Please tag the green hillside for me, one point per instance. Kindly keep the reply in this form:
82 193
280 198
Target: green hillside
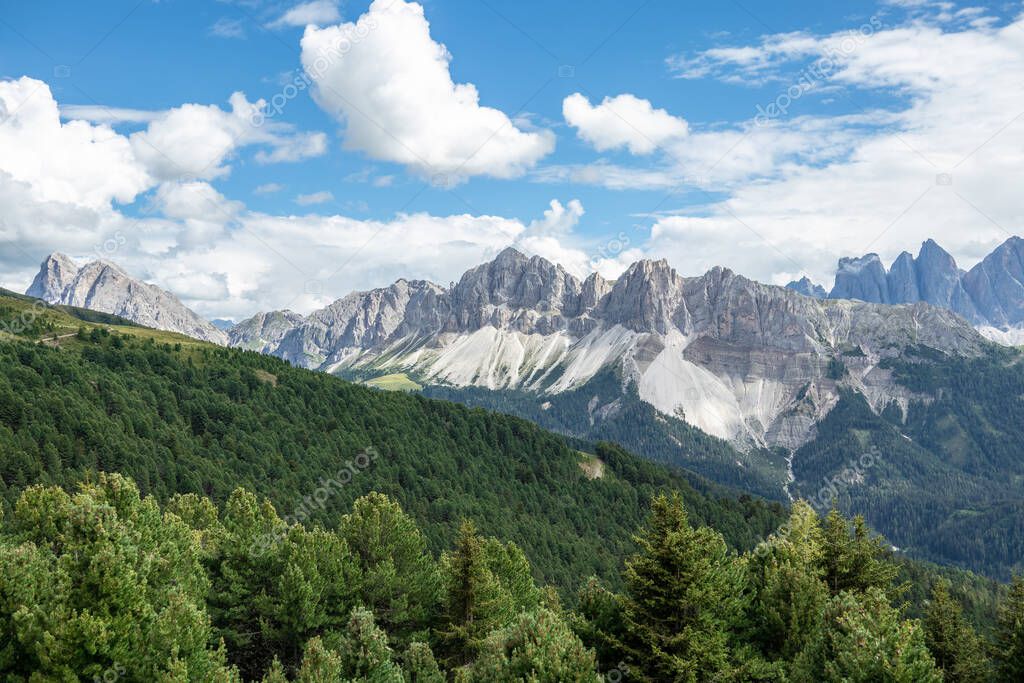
179 416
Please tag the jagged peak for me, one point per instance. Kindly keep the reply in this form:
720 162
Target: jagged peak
931 249
511 254
857 262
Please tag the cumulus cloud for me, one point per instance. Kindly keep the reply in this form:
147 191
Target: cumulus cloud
622 121
197 140
388 82
74 162
316 12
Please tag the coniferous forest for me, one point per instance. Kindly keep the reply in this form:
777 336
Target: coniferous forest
177 512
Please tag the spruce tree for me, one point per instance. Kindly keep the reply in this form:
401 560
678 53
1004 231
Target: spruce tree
684 596
951 640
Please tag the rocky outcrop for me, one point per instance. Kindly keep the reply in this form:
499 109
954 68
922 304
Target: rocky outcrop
808 288
996 286
263 332
103 286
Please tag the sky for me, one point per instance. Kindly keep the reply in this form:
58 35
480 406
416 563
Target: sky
250 155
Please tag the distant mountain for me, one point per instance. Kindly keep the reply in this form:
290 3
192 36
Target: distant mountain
990 295
104 286
807 288
743 361
223 324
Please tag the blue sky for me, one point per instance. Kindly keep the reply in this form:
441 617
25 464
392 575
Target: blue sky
353 181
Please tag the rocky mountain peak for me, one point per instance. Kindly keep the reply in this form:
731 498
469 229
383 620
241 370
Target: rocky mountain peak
645 297
55 273
104 286
862 278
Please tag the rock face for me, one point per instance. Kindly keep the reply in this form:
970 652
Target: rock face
807 288
990 295
745 361
103 286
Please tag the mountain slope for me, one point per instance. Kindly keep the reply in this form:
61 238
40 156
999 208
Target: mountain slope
191 417
104 286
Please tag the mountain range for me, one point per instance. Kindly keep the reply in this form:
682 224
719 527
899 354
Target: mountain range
752 385
746 362
743 361
990 295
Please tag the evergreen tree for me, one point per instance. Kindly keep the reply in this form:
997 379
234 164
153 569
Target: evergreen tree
539 647
855 563
487 583
789 593
1008 648
364 651
953 643
320 664
102 584
401 583
866 641
684 595
419 665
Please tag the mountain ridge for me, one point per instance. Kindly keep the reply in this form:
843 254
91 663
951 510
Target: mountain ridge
728 353
990 295
104 286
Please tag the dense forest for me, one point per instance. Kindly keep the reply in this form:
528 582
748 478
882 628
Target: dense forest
103 584
270 523
206 420
942 480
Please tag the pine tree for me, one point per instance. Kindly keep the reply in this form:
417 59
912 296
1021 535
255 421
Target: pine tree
401 582
865 641
1008 648
951 640
419 665
320 664
100 583
539 647
684 595
364 652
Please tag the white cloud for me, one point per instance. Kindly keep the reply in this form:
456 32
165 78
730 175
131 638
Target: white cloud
74 162
622 121
228 28
387 80
314 198
268 188
802 191
317 12
197 140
